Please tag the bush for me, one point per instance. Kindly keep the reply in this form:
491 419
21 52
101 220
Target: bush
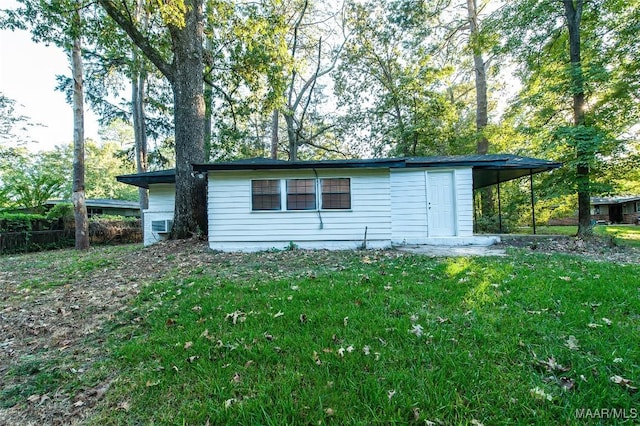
61 211
17 222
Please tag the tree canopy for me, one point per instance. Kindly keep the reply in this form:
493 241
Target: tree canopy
300 79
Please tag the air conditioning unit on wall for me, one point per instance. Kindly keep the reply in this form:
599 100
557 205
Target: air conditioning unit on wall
161 226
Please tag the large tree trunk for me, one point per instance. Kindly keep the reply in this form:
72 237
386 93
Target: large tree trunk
573 15
138 88
274 134
78 198
185 74
482 105
188 96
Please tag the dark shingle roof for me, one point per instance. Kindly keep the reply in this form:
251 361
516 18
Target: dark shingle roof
487 169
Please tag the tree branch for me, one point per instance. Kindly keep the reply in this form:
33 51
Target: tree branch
127 24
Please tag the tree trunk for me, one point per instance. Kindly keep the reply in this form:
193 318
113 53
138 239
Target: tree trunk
185 74
138 83
482 105
274 134
189 109
138 89
573 15
291 136
208 116
78 198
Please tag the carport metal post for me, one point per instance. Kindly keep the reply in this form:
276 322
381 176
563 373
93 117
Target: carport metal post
533 203
499 206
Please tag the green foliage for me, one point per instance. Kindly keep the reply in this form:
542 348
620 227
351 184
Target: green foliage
61 211
16 222
541 122
393 90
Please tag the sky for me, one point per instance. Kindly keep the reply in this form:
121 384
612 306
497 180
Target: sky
28 75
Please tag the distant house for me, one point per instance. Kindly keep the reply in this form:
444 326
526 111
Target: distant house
625 209
260 204
96 207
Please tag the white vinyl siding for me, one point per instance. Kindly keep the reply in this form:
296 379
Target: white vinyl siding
161 206
464 201
234 226
409 204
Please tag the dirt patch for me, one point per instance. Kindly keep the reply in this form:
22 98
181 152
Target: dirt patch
54 308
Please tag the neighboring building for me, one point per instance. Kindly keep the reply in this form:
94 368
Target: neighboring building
96 207
624 209
260 204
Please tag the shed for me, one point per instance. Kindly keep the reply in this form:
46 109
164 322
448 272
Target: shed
259 204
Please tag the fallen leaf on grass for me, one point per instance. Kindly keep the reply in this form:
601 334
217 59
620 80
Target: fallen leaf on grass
278 314
626 383
551 365
390 394
572 343
475 422
540 394
188 345
607 321
237 316
566 383
417 330
236 378
366 350
329 412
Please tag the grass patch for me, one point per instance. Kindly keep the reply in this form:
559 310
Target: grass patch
625 234
378 337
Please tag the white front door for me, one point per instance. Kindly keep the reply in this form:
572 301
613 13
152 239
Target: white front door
440 204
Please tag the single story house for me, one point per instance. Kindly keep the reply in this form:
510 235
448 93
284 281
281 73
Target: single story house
260 204
625 209
104 206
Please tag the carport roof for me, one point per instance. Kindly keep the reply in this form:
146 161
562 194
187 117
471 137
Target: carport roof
487 169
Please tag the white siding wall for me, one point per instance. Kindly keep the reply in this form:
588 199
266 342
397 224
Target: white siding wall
408 206
161 206
234 226
464 201
409 201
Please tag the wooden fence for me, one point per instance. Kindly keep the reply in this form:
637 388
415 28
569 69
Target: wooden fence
100 233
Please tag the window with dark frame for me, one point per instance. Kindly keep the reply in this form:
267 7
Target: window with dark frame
336 193
265 195
301 194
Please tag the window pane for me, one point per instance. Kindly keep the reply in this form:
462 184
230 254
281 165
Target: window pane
336 193
265 194
301 194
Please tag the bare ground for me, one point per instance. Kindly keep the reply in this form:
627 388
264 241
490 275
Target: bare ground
60 329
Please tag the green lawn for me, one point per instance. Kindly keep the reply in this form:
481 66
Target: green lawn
361 337
379 338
